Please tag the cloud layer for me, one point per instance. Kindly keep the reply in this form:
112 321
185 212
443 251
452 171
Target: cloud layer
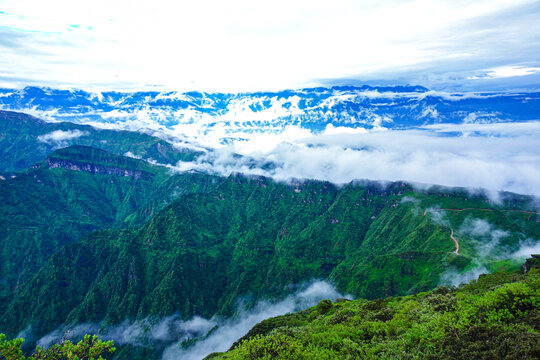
231 330
478 140
61 137
496 157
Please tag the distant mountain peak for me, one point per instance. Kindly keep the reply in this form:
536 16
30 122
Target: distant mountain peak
19 118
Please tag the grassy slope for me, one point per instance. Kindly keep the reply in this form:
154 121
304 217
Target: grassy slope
495 317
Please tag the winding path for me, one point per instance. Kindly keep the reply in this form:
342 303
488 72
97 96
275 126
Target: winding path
455 242
481 209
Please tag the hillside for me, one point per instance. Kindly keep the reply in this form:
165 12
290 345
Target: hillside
252 238
75 191
495 317
26 140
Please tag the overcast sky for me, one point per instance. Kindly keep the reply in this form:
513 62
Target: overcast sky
269 45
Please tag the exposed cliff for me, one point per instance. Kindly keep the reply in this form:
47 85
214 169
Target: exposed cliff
74 165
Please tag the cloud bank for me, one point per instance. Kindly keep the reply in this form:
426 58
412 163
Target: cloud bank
169 334
60 137
142 333
231 330
282 140
502 156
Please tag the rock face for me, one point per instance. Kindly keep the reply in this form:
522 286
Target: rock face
52 163
96 161
532 263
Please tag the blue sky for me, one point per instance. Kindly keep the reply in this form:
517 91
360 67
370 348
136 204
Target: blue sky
271 45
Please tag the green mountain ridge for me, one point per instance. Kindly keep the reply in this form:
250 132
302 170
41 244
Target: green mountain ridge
26 140
73 192
250 237
97 161
494 317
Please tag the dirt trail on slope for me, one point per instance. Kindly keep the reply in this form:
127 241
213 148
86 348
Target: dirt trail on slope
481 209
455 242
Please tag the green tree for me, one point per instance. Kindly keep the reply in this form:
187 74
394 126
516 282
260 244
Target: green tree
90 348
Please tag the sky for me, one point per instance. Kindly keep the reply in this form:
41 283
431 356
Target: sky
237 46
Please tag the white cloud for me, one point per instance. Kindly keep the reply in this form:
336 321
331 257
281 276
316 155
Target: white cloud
132 155
455 278
215 334
510 161
489 235
491 129
526 249
60 137
138 333
231 330
333 130
507 71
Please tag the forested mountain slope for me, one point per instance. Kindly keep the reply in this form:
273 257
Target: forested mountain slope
91 236
254 238
25 140
73 192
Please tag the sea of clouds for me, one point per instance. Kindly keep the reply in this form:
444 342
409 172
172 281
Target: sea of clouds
501 156
340 136
496 156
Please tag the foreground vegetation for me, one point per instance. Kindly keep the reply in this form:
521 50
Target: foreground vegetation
495 317
89 348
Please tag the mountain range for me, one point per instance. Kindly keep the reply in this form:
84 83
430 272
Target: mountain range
194 115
